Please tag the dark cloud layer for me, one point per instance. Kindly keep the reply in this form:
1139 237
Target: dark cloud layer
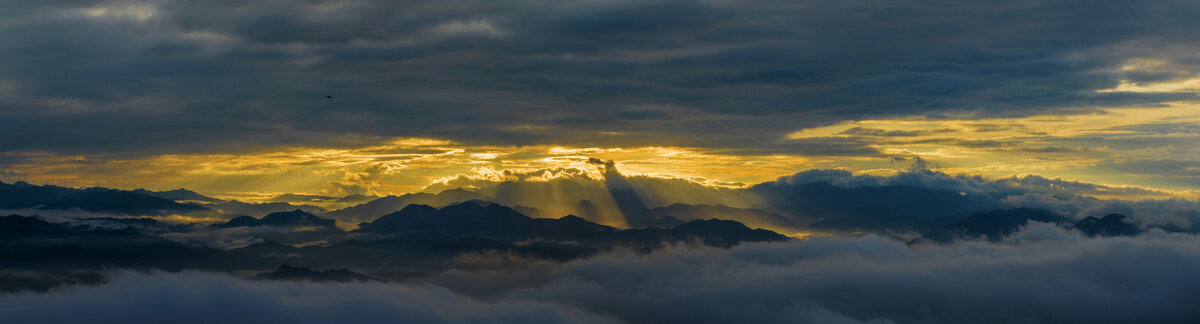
206 298
81 76
1046 275
1040 274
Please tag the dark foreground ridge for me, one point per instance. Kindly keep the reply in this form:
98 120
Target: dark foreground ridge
417 241
471 219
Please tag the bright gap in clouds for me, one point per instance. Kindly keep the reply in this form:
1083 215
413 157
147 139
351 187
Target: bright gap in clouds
1144 147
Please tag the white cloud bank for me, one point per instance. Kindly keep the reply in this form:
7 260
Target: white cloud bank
1041 274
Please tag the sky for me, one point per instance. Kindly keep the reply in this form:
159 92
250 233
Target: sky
229 98
600 161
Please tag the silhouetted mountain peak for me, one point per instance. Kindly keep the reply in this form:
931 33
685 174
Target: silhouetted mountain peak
287 272
24 225
495 220
390 204
176 194
887 208
414 210
994 225
399 219
464 207
288 218
261 209
679 213
469 218
241 221
714 232
712 224
24 195
457 192
502 209
573 219
1109 225
117 201
728 229
295 217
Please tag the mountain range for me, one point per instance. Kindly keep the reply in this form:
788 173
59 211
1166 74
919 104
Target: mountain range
22 195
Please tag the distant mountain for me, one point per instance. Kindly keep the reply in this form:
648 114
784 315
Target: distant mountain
992 225
295 218
122 202
997 224
867 209
714 232
677 214
356 199
21 195
177 195
1109 225
389 204
146 221
260 209
287 272
144 225
29 242
469 219
17 225
418 240
422 254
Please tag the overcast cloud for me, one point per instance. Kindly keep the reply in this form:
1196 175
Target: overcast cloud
1041 274
76 76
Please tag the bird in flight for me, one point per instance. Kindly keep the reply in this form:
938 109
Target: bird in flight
328 97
